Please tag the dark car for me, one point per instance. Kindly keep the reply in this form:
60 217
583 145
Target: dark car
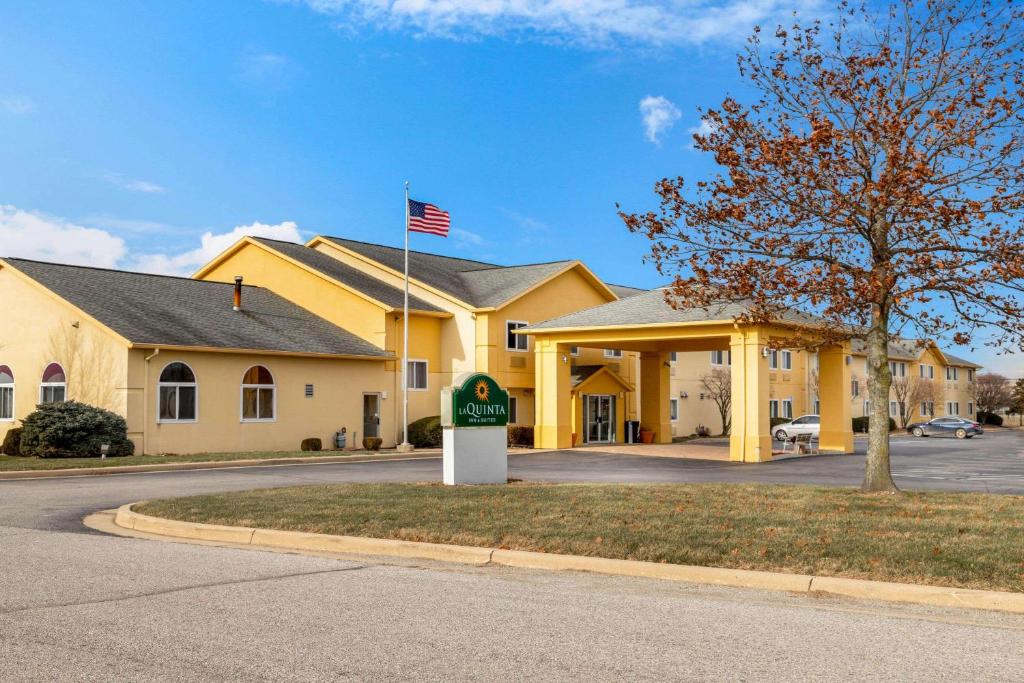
946 426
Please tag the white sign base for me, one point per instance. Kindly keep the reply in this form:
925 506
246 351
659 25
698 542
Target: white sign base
475 455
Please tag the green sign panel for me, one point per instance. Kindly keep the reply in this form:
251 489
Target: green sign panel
479 402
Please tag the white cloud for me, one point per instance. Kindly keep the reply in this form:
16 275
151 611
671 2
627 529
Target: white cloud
659 115
593 23
125 183
465 238
211 245
33 235
704 128
18 105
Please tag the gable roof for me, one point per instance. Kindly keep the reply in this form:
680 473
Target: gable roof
582 374
377 290
651 308
161 310
479 284
910 349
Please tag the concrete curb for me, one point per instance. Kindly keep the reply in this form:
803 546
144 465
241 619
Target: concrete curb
213 465
938 596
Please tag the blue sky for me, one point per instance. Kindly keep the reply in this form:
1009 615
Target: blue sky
150 135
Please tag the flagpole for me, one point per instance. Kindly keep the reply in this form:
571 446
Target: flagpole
405 333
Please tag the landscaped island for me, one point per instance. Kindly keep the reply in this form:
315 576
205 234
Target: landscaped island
951 539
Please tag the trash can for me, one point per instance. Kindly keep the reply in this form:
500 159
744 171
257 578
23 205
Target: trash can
632 431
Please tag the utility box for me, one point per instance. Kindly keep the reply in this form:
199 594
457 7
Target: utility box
474 422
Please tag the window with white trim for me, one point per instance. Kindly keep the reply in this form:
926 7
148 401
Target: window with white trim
176 394
787 359
513 410
970 375
867 408
672 356
926 371
952 408
952 374
417 375
54 387
854 388
897 369
720 358
970 410
773 360
787 408
513 341
673 409
927 409
574 350
773 408
613 353
259 395
894 408
6 393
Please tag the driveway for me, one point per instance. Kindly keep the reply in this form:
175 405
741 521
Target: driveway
79 605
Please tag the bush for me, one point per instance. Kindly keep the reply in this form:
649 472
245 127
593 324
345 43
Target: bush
860 424
426 432
12 442
520 435
311 445
74 430
372 443
990 419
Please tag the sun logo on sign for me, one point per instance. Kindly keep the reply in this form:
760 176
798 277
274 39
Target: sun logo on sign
482 391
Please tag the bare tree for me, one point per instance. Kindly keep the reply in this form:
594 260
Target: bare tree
1017 404
877 181
911 392
718 387
90 369
992 392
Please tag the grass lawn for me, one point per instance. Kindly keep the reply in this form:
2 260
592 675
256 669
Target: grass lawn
951 539
10 463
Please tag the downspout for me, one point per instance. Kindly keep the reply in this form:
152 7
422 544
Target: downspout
145 403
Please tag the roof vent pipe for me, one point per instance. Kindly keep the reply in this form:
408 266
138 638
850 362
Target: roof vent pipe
238 293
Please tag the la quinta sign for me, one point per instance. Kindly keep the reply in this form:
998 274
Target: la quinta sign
474 421
479 402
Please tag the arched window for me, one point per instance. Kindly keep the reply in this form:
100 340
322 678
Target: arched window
54 387
6 393
259 395
176 394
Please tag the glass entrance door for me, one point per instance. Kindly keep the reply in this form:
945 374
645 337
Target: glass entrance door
371 415
599 411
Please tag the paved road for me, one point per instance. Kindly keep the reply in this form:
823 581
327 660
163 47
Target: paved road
78 605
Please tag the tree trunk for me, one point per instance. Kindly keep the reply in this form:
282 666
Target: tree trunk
877 474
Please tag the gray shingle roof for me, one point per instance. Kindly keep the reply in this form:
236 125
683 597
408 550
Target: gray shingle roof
909 349
479 284
955 360
651 308
174 311
354 278
624 291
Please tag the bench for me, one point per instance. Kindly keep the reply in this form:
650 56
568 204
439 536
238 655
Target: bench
804 444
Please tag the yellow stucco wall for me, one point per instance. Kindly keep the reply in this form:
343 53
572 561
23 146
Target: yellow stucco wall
337 401
39 329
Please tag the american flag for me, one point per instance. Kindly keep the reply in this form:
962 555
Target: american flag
428 218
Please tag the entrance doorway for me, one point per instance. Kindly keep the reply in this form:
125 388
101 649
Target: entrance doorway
599 416
371 415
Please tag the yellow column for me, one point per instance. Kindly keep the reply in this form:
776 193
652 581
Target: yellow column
654 395
553 427
834 394
750 436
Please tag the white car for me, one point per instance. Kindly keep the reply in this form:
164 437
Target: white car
805 424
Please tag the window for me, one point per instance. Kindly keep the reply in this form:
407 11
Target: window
259 395
787 360
787 408
418 375
176 394
927 371
6 393
894 408
854 388
672 356
953 408
720 357
927 409
54 387
513 410
773 359
970 409
673 409
867 408
773 408
970 375
513 341
952 374
613 353
897 369
817 407
574 350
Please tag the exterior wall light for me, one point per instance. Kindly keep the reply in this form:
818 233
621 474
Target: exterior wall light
565 359
683 394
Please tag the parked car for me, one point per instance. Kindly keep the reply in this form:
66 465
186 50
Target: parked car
959 427
805 424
